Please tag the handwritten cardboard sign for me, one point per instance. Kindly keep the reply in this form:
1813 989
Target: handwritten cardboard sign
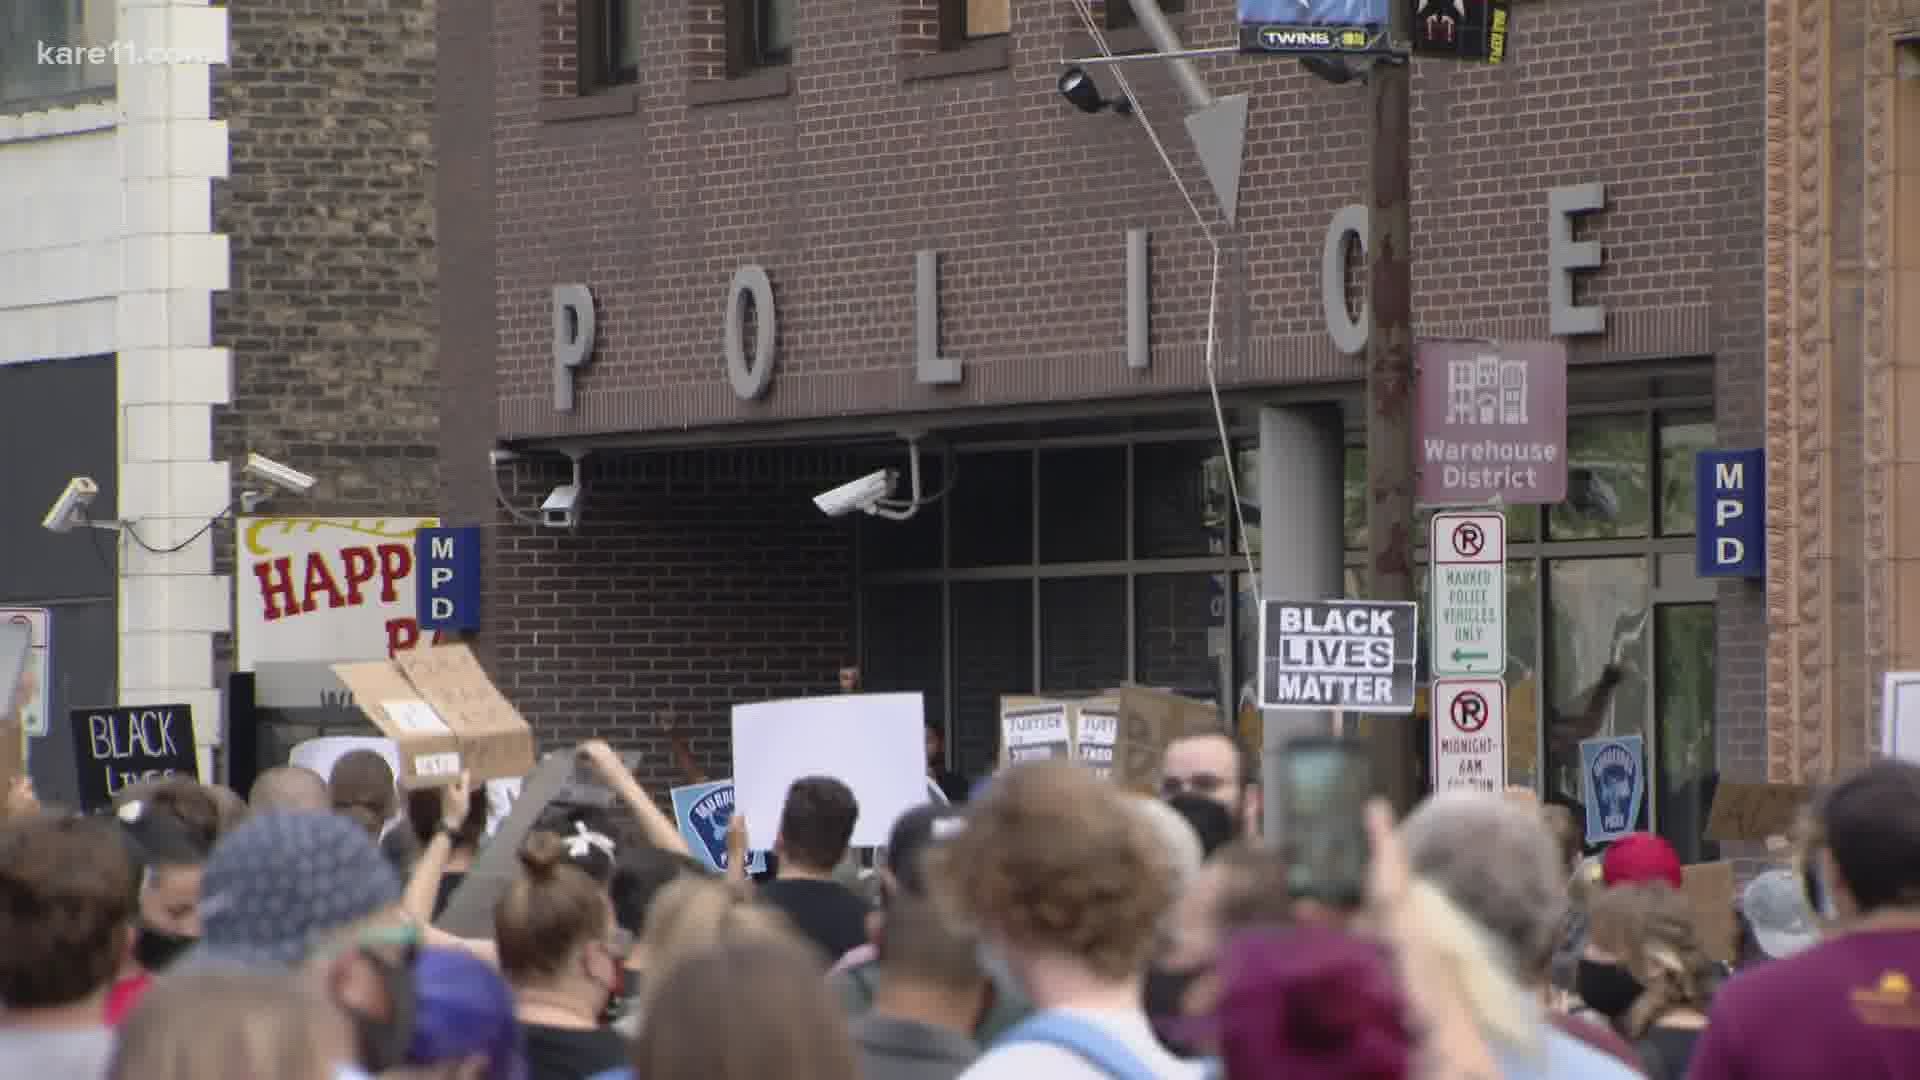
1709 889
1754 812
429 750
1121 733
494 739
117 748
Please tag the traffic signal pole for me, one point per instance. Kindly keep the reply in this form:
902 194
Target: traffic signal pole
1393 740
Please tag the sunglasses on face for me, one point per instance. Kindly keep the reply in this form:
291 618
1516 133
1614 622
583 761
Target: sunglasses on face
1198 783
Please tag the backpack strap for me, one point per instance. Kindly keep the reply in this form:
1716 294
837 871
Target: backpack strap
1080 1037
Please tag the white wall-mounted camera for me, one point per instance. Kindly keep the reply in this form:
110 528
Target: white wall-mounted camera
862 494
70 509
561 510
281 476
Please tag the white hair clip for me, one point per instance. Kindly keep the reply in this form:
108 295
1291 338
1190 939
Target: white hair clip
585 840
946 827
131 813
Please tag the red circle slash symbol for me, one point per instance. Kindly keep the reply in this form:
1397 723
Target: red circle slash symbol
1469 711
1469 539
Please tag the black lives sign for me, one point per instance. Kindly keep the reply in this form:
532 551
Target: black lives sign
117 748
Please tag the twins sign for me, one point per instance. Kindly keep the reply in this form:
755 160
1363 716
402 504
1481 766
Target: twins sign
703 811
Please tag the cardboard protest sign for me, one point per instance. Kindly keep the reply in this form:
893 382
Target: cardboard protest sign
703 812
1754 812
1121 733
429 750
494 739
1034 730
1709 889
117 748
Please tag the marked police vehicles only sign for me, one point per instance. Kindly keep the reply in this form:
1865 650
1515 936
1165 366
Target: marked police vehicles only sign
1337 654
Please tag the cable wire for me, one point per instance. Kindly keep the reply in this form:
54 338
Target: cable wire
1213 288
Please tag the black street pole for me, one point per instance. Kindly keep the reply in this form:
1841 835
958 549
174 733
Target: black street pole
1390 374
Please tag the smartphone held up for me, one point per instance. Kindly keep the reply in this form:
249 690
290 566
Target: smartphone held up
1326 783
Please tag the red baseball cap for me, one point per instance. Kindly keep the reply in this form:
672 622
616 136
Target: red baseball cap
1640 859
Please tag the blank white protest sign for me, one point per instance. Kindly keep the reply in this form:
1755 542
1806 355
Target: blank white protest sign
875 744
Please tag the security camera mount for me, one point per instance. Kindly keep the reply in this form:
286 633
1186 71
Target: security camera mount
902 509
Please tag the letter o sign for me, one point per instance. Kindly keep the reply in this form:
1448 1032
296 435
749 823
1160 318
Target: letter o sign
750 379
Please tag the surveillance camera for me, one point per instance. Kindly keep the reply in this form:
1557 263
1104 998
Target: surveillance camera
280 476
70 508
861 494
562 508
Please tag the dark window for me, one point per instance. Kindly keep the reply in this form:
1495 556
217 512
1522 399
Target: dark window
609 44
902 640
71 31
1180 633
1182 508
991 510
962 21
771 44
992 634
1083 504
1120 12
1083 634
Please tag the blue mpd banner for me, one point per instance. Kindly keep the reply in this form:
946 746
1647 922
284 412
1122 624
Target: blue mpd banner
447 571
702 811
1730 513
1613 783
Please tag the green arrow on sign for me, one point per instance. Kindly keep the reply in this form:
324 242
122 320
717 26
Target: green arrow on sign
1459 655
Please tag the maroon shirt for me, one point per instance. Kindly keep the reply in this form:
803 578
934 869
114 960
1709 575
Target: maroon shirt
1847 1008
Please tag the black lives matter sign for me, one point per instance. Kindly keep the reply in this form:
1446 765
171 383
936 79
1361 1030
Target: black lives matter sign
1332 654
117 748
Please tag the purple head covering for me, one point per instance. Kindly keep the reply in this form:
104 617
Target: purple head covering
1308 1003
463 1009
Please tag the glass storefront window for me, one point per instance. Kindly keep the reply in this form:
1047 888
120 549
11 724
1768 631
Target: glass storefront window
1609 462
1683 646
913 544
1682 435
1182 508
1083 634
992 510
1596 618
992 635
1083 504
1180 633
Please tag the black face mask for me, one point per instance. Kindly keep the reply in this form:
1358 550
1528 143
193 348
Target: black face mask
1607 989
156 950
383 1043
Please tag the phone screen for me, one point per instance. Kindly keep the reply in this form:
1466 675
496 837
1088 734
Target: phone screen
16 646
1327 785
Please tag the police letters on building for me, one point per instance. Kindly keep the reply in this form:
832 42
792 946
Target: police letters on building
1337 654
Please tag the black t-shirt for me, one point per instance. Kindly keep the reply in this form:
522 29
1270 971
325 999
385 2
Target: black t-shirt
567 1054
827 912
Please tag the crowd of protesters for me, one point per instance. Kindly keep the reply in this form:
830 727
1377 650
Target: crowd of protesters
1054 926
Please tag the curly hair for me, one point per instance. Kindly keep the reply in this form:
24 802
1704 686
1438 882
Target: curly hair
1650 928
1052 857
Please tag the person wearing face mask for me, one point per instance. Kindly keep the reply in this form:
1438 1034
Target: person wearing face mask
170 830
564 954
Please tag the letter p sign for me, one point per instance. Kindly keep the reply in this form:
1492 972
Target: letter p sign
572 339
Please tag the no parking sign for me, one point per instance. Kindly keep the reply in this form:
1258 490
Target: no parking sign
1469 735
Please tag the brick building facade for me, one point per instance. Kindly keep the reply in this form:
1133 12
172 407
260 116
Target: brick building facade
654 175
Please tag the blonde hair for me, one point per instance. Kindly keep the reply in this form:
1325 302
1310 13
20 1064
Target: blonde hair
694 914
232 1026
1475 966
1650 929
550 910
798 1031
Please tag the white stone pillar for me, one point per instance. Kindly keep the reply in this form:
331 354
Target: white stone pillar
170 374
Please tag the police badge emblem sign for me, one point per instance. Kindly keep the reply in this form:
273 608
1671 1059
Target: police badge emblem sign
1613 782
703 811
